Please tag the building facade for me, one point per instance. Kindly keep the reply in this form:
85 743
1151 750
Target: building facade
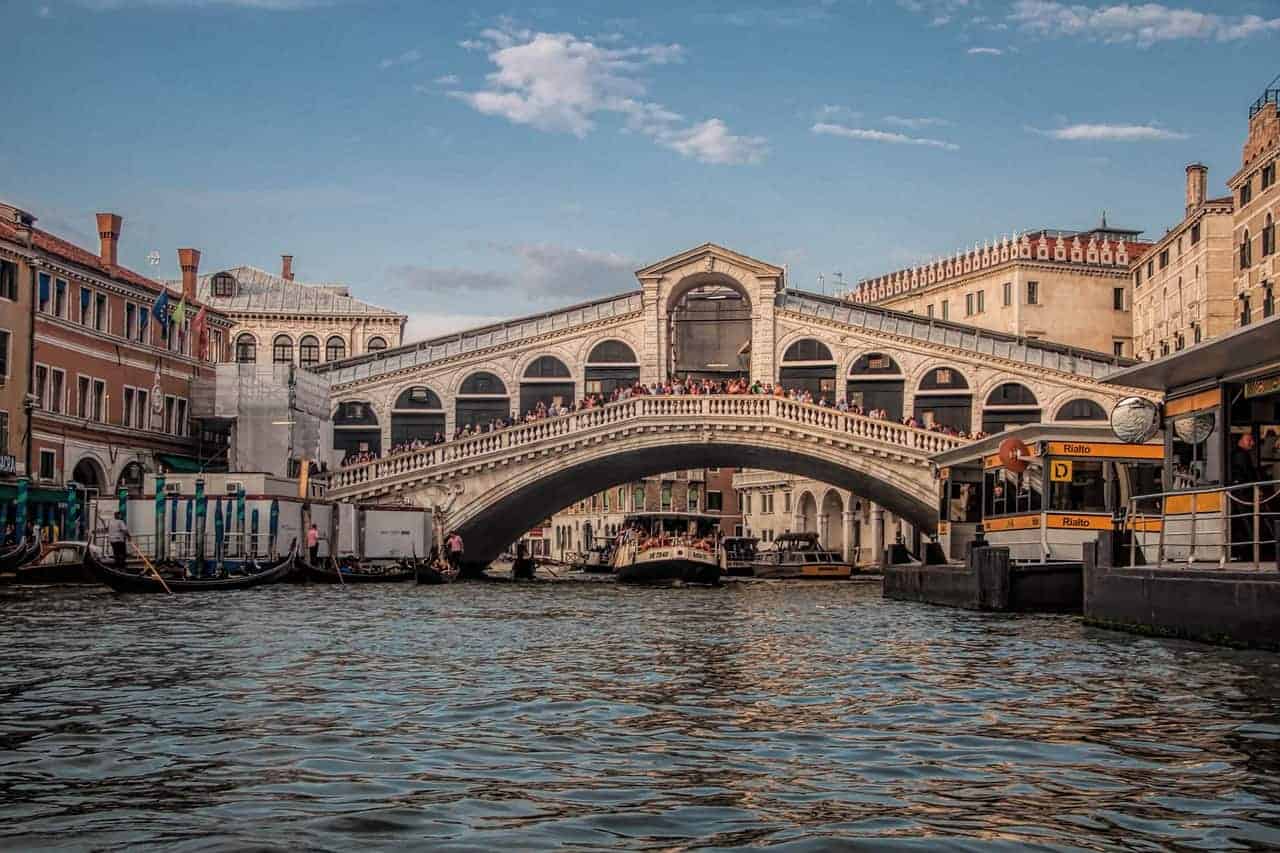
597 519
1067 286
108 387
1182 285
1257 207
284 321
773 504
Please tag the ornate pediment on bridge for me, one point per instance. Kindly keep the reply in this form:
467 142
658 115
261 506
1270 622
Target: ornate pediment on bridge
709 258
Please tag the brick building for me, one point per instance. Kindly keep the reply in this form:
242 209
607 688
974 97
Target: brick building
104 398
1257 200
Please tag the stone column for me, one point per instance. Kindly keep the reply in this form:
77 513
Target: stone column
877 534
764 331
652 357
823 533
849 519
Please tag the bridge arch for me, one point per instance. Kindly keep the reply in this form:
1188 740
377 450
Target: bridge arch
417 414
356 428
709 321
944 395
498 510
609 362
1077 407
481 397
875 380
545 378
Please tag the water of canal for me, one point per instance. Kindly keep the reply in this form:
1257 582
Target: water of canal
593 716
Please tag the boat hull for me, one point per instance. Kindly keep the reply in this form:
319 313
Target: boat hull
129 582
812 571
321 574
668 565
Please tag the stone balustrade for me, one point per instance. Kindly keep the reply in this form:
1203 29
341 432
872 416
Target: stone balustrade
720 411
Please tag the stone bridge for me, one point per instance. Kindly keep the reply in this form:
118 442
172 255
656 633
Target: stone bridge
494 487
964 376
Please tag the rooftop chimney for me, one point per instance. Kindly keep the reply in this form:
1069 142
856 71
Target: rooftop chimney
189 260
286 267
109 235
1197 179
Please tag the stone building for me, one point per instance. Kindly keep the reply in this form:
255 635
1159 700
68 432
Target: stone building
1066 286
773 504
595 519
109 387
1257 206
280 320
1182 285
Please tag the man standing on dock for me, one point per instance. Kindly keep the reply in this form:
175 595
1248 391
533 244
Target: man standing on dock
117 535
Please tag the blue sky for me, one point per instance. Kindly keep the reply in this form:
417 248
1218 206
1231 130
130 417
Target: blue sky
464 161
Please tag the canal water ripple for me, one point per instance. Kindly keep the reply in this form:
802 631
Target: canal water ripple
586 716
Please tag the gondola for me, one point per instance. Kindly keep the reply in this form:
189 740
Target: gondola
429 575
63 563
355 572
146 582
18 555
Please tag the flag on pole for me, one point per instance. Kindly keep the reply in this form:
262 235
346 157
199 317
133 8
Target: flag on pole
180 313
160 310
200 332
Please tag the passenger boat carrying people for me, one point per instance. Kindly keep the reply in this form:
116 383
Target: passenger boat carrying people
1041 490
799 556
663 547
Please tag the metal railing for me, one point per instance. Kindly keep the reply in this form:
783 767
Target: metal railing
660 409
1216 524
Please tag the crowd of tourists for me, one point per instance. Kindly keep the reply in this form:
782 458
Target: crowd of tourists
674 388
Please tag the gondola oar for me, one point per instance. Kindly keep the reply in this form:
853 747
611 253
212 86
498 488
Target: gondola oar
338 569
152 568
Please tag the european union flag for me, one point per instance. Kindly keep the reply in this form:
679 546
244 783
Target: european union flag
161 310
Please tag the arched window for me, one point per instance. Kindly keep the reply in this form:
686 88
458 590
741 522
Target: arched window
377 344
1010 405
611 365
282 349
418 397
223 285
309 351
355 428
246 349
1268 300
944 398
875 364
1269 236
418 415
1245 312
335 348
1246 251
875 384
547 381
1081 410
807 349
611 352
546 367
482 383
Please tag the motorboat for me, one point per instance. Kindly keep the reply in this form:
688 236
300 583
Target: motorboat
667 547
738 555
799 556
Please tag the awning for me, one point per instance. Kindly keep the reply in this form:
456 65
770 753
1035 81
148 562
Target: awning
180 464
1244 350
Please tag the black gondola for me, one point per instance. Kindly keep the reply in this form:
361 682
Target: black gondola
147 582
18 555
355 572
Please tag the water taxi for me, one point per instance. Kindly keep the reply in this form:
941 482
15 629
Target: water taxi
1041 490
799 556
738 556
662 547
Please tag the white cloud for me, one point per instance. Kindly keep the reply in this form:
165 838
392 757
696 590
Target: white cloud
561 83
544 272
447 80
1111 133
916 123
985 51
880 136
409 57
1142 24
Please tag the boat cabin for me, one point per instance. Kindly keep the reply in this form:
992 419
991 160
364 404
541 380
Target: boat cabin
1073 480
737 554
1220 426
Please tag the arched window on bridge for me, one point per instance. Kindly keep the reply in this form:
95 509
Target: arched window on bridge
611 365
944 397
335 348
1081 410
808 364
546 380
1010 405
376 344
417 414
481 398
710 331
355 428
876 382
